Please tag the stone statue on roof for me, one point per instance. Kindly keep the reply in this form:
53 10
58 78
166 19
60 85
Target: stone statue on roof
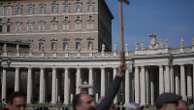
153 41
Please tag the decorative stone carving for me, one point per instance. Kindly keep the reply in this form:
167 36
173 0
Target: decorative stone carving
126 49
182 45
166 43
153 41
142 45
161 44
114 48
103 49
137 46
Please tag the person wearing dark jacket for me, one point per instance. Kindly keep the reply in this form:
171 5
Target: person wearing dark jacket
84 101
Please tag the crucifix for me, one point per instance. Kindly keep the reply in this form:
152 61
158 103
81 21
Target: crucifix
121 28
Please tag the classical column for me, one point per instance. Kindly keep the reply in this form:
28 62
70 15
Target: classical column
102 82
147 85
66 87
189 83
167 79
172 79
78 80
152 91
16 86
3 93
4 49
183 88
29 86
177 82
137 85
114 74
54 88
161 79
127 87
17 50
42 87
57 90
193 80
142 80
90 81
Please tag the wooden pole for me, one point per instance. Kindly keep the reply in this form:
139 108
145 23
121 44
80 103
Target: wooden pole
121 28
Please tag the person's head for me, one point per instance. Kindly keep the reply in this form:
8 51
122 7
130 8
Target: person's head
83 102
167 101
182 105
114 107
17 101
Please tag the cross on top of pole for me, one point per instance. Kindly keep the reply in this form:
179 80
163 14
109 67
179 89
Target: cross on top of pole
125 1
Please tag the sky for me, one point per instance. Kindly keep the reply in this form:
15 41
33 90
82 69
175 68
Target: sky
170 19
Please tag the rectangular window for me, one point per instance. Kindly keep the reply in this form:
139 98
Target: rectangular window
31 9
8 28
30 27
8 11
19 9
42 9
55 8
90 8
1 28
54 27
66 8
66 27
65 45
77 45
41 27
18 27
1 11
78 26
78 7
90 26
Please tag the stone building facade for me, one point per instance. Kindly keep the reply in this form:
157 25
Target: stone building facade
60 26
47 63
56 78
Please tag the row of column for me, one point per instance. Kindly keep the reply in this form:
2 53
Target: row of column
177 81
41 87
55 85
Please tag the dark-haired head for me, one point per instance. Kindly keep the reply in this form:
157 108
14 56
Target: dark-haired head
17 101
83 102
14 95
